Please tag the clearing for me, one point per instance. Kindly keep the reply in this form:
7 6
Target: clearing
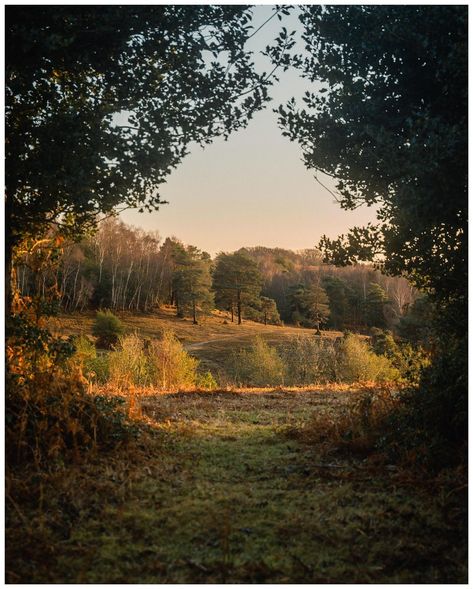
218 489
211 341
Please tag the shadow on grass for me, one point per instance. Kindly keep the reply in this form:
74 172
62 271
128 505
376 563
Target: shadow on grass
216 494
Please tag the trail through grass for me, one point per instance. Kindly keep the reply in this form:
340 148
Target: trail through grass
219 492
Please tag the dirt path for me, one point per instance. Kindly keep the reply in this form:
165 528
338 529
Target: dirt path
223 494
200 345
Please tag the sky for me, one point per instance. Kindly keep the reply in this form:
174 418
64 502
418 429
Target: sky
252 189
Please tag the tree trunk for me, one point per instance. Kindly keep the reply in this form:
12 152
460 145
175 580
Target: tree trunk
239 306
8 283
194 318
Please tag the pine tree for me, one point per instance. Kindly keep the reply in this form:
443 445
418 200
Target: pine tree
236 282
191 282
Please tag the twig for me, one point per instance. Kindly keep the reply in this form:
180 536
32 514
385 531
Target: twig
20 514
197 565
328 189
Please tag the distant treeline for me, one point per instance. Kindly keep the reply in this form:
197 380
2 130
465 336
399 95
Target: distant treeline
123 268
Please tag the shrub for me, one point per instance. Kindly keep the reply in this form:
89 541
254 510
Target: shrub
406 358
309 360
95 367
431 425
258 366
383 343
107 329
171 367
84 349
127 364
357 362
98 368
355 430
161 363
49 414
206 381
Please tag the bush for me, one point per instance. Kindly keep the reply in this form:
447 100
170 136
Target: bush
258 366
309 360
383 343
95 367
206 381
431 425
84 349
98 369
171 367
107 329
357 362
162 363
409 360
127 364
355 430
49 414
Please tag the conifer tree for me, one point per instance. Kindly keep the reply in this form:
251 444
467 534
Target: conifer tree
191 282
236 281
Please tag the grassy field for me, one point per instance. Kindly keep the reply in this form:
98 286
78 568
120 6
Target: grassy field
220 488
211 341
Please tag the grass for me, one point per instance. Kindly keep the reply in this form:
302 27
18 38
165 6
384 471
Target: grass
210 341
210 327
217 490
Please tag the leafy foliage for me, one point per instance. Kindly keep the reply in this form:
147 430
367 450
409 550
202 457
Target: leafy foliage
162 364
95 367
417 326
72 83
49 414
258 366
107 329
310 361
308 305
390 125
171 366
191 282
357 362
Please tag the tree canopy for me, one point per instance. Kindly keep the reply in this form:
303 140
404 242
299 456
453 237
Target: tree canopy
236 281
388 121
192 281
102 102
390 124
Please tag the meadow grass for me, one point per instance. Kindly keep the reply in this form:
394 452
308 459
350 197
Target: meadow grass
218 489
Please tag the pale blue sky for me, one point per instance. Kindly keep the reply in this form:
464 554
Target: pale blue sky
252 189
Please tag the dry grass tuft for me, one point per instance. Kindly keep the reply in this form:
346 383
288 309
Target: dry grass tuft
357 427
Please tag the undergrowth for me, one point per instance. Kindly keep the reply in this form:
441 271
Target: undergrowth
50 415
161 363
310 360
357 429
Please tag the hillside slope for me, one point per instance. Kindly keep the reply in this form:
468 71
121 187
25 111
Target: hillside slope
211 341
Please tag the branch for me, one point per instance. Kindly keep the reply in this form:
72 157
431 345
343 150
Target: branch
265 79
252 35
265 23
327 189
128 127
